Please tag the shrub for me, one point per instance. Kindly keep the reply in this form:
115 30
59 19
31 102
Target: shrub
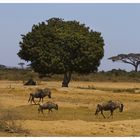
9 124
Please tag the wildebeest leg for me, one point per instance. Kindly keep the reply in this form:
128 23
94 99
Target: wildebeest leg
39 99
102 114
42 99
42 112
33 100
29 99
50 110
111 113
38 111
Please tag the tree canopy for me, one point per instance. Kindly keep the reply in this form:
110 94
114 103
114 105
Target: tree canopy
131 58
62 47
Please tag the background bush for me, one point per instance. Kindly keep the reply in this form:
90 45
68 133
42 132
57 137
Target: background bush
113 75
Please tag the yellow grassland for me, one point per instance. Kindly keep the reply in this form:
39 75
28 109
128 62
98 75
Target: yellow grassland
77 105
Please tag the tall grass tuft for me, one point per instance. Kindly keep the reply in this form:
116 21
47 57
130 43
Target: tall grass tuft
9 124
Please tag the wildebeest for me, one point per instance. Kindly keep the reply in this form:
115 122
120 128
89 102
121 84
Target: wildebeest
109 106
41 93
47 105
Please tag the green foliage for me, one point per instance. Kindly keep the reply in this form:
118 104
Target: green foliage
17 74
57 46
110 76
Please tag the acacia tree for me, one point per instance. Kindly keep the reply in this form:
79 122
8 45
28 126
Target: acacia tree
131 58
21 64
62 47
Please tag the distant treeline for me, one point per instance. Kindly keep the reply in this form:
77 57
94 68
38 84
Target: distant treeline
114 75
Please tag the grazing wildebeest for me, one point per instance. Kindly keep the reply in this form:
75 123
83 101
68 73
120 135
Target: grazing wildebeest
41 93
109 106
47 105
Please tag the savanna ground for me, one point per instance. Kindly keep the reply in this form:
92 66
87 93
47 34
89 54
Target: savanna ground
77 105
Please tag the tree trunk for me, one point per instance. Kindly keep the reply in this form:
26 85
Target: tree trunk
136 68
66 79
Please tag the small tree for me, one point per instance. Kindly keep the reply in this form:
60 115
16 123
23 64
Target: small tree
21 64
131 58
62 47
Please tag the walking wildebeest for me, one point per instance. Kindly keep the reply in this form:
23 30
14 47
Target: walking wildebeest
47 105
109 106
41 93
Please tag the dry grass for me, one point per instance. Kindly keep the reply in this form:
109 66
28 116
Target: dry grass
77 105
9 124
